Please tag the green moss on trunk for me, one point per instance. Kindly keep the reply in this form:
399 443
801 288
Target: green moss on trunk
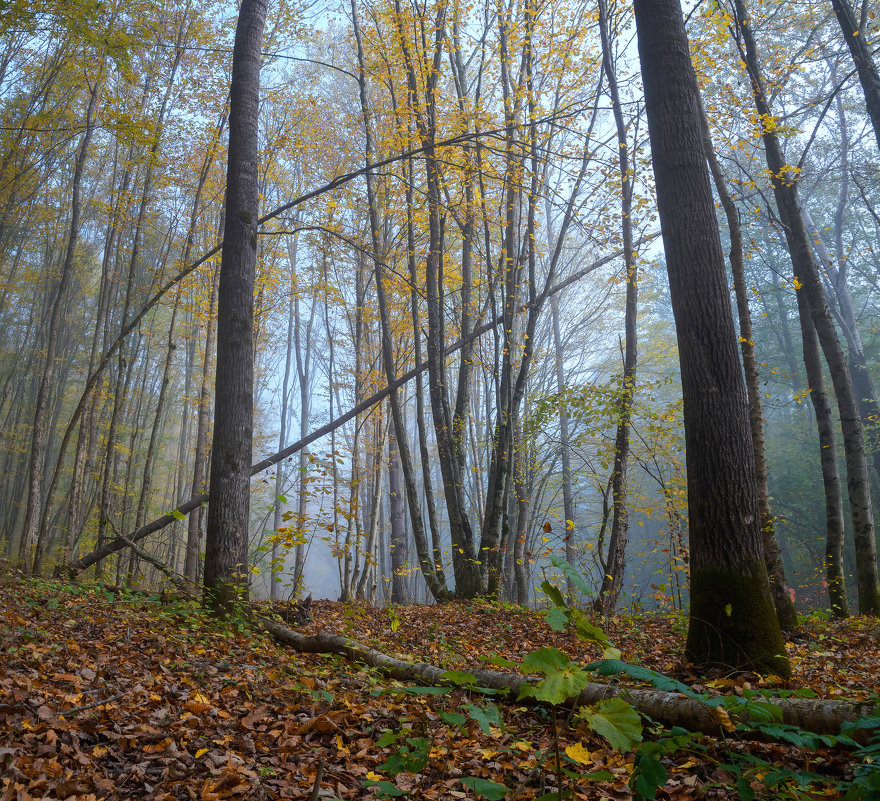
733 623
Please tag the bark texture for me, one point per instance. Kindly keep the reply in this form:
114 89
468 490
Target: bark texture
732 619
779 588
229 506
673 709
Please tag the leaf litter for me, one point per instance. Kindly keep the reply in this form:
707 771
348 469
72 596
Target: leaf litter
135 697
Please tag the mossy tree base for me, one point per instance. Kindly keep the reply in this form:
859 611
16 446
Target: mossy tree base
733 623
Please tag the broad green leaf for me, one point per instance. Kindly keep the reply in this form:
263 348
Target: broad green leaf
554 594
396 763
453 718
556 618
649 775
587 632
388 737
616 721
613 667
545 660
485 788
557 686
571 574
746 793
459 677
178 515
486 717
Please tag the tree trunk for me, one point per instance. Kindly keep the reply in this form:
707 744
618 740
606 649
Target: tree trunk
29 547
564 447
200 460
732 620
779 589
806 271
226 580
860 48
398 540
612 578
430 568
673 709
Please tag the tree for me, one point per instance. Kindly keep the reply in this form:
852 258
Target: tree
229 495
809 287
732 620
854 32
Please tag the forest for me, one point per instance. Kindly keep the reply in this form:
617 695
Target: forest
502 350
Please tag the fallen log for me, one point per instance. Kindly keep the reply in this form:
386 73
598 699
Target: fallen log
819 716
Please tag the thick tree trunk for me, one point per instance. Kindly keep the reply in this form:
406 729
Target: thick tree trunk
226 580
810 284
779 589
732 620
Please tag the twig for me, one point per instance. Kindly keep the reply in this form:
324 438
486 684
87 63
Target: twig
316 787
77 709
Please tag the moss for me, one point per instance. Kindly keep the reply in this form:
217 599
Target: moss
733 624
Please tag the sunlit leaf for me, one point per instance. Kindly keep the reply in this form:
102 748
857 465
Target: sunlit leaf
616 721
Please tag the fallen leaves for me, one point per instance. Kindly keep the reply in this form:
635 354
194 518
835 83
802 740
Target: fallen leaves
102 700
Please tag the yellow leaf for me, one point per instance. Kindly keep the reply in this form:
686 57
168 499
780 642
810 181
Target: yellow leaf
579 754
720 716
341 746
373 777
201 752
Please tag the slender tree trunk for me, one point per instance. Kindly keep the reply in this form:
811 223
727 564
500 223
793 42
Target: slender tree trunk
863 386
430 567
564 446
302 351
229 504
280 472
854 34
615 564
732 620
806 271
399 540
464 559
29 547
200 460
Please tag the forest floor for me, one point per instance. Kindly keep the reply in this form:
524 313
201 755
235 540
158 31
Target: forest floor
105 696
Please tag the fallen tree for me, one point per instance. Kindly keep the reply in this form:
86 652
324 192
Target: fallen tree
820 716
